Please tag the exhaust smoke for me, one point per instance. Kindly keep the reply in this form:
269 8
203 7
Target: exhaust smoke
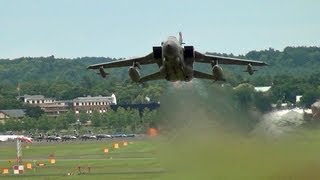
204 136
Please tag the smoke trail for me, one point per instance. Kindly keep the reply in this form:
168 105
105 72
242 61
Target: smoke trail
280 122
203 136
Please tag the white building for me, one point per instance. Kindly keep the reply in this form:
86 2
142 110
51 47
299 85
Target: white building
262 89
89 104
36 99
49 105
298 98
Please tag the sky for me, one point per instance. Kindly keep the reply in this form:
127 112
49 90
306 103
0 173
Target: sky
128 28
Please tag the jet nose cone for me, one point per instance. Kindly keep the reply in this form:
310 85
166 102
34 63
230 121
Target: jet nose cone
170 49
168 46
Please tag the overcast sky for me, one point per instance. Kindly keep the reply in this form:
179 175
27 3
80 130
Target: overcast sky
126 28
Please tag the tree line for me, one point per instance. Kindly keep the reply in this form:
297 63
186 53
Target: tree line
291 72
120 121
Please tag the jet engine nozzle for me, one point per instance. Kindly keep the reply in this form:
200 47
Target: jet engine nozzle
102 73
217 72
134 74
250 69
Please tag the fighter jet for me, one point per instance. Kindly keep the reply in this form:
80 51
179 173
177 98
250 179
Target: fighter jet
176 63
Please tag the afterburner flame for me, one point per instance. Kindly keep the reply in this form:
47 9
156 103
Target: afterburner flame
152 132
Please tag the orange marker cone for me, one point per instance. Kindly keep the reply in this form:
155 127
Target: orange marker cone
52 161
5 171
29 166
115 145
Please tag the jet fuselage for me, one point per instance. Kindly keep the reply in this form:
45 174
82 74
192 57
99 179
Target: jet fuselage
175 62
174 67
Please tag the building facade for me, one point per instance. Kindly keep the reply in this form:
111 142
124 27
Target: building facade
90 104
87 104
49 105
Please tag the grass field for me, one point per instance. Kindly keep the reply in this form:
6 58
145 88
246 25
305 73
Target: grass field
210 155
135 161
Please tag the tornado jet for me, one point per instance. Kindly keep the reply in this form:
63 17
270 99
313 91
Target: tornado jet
176 63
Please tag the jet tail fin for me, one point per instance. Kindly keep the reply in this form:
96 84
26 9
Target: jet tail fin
180 38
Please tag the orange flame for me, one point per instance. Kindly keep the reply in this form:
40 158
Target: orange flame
152 132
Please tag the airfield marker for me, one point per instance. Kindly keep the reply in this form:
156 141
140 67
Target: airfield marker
116 146
41 164
5 171
19 151
152 132
106 150
28 165
52 161
125 143
18 169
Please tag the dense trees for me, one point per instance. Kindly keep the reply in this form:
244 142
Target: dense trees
68 78
33 111
310 97
122 120
293 71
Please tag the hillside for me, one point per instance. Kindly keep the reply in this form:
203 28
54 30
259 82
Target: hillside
68 78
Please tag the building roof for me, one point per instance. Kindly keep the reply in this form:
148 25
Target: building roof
39 98
34 97
14 113
140 107
262 89
93 99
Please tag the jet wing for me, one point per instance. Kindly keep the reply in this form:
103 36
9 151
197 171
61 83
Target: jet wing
152 77
201 75
148 59
204 58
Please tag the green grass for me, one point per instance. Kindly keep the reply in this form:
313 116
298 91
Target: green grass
209 155
135 161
